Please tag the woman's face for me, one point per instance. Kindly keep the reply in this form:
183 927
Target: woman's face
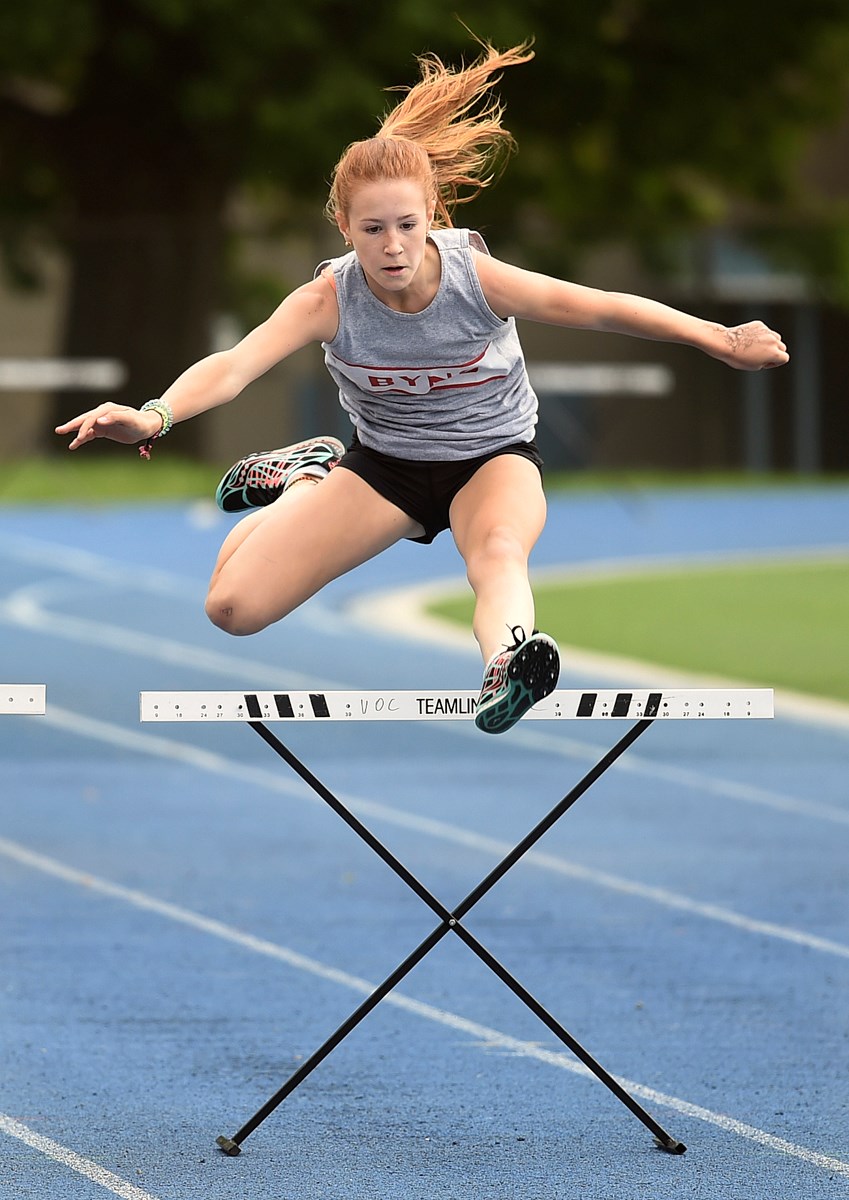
388 223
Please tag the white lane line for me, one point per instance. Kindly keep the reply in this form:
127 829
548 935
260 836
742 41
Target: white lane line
485 1036
686 778
95 568
24 608
233 769
69 1158
614 883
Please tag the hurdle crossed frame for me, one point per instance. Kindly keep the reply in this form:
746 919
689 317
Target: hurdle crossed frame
258 709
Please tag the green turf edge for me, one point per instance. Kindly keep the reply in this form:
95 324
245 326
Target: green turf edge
779 625
81 478
78 480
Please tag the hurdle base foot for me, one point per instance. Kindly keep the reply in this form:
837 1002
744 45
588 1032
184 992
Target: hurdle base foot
670 1145
229 1146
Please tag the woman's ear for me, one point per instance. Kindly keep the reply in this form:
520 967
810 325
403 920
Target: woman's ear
343 227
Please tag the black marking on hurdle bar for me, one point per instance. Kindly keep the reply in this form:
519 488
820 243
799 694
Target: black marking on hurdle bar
621 704
252 705
450 922
586 704
319 705
284 706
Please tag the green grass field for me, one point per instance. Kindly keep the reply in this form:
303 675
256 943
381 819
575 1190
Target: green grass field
783 625
82 478
89 476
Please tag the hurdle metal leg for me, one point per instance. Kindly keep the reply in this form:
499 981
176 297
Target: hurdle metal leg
450 921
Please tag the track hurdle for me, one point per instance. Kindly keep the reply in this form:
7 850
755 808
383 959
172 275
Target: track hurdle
639 708
23 699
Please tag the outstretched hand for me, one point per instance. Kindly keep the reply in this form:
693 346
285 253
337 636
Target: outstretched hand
117 422
751 347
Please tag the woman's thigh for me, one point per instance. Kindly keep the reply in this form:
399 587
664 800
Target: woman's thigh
310 536
504 499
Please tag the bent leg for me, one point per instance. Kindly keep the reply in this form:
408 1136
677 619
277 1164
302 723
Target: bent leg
279 556
496 519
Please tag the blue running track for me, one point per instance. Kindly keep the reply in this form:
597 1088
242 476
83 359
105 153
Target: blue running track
183 922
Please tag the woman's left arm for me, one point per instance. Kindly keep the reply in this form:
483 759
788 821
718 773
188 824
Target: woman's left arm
513 292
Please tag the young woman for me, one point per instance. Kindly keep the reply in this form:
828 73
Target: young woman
417 323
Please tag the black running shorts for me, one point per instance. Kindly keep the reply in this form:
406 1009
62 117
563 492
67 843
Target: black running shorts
424 490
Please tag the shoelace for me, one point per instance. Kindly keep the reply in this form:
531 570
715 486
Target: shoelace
518 635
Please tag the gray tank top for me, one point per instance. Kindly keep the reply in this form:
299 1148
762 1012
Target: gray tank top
445 383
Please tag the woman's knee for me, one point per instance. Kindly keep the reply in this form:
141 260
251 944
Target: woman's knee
500 548
231 613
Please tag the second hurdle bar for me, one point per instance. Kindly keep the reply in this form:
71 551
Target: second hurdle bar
23 699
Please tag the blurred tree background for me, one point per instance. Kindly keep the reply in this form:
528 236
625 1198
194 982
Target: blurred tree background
133 133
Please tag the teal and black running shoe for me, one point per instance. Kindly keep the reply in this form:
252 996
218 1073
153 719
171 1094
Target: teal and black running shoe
258 479
515 679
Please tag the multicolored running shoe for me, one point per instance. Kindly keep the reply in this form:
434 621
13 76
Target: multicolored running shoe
515 679
258 479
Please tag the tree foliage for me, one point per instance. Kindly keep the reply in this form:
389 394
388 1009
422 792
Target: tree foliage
127 127
658 117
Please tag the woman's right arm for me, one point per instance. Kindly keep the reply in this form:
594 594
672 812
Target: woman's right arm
309 314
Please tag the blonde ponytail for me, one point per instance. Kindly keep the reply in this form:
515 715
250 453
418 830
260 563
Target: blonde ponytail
446 133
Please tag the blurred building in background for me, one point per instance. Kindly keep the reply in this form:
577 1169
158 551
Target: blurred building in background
606 402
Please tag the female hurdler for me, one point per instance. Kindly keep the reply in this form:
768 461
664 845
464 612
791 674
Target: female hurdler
417 323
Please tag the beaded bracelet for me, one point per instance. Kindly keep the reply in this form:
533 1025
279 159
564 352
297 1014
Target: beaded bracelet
164 409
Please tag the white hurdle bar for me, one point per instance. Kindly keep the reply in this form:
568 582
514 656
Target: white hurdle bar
23 698
386 705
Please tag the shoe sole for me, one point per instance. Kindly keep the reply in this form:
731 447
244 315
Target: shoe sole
533 673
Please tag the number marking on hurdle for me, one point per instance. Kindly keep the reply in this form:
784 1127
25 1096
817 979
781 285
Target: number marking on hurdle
23 698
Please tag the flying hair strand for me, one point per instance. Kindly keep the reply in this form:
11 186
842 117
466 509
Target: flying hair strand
447 132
